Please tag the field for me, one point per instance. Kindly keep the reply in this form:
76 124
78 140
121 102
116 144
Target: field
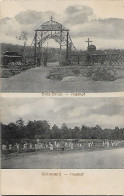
36 80
99 159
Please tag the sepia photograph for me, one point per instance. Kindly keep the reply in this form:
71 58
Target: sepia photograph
62 46
62 133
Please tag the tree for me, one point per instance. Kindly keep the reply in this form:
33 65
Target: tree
84 132
77 134
55 132
23 36
20 122
31 129
41 129
64 130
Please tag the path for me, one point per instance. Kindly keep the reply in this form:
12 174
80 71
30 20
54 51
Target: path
106 159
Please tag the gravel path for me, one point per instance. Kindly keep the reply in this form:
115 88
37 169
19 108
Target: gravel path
106 159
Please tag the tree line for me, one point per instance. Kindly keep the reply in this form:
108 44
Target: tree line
42 130
52 52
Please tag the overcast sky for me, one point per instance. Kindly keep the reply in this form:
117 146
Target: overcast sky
101 20
107 112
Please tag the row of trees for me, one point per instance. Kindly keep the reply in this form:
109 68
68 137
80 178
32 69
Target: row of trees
43 130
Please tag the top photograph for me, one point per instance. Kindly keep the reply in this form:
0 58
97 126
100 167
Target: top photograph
62 46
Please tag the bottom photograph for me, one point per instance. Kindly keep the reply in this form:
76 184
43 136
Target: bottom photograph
62 133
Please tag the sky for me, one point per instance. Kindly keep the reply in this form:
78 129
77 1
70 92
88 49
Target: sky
101 20
76 111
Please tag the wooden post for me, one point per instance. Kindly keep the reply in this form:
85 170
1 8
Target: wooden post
35 47
67 47
41 46
60 46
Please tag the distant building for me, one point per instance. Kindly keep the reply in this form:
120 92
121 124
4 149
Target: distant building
91 48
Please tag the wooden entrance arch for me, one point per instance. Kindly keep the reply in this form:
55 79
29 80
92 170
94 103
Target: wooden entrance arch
52 30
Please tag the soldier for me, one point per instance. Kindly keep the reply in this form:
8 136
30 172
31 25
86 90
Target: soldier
89 144
25 146
4 148
108 143
72 146
51 147
36 148
18 147
58 145
10 147
30 146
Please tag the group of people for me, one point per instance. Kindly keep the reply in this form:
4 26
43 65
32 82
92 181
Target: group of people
10 147
37 145
56 145
112 143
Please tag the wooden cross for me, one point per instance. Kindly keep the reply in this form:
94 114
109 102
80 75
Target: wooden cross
88 41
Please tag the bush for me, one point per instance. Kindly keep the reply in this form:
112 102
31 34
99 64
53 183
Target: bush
76 72
103 75
6 74
55 76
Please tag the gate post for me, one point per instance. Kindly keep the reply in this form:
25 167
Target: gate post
41 46
67 47
35 47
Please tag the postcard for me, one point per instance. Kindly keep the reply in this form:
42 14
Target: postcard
62 97
62 46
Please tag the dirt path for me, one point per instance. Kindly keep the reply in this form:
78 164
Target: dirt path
107 159
34 80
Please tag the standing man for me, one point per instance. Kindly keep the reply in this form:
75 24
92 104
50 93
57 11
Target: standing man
45 56
38 59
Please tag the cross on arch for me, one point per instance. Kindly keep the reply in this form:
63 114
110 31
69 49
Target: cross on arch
88 41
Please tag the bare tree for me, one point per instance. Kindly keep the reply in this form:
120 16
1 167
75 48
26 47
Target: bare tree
23 36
